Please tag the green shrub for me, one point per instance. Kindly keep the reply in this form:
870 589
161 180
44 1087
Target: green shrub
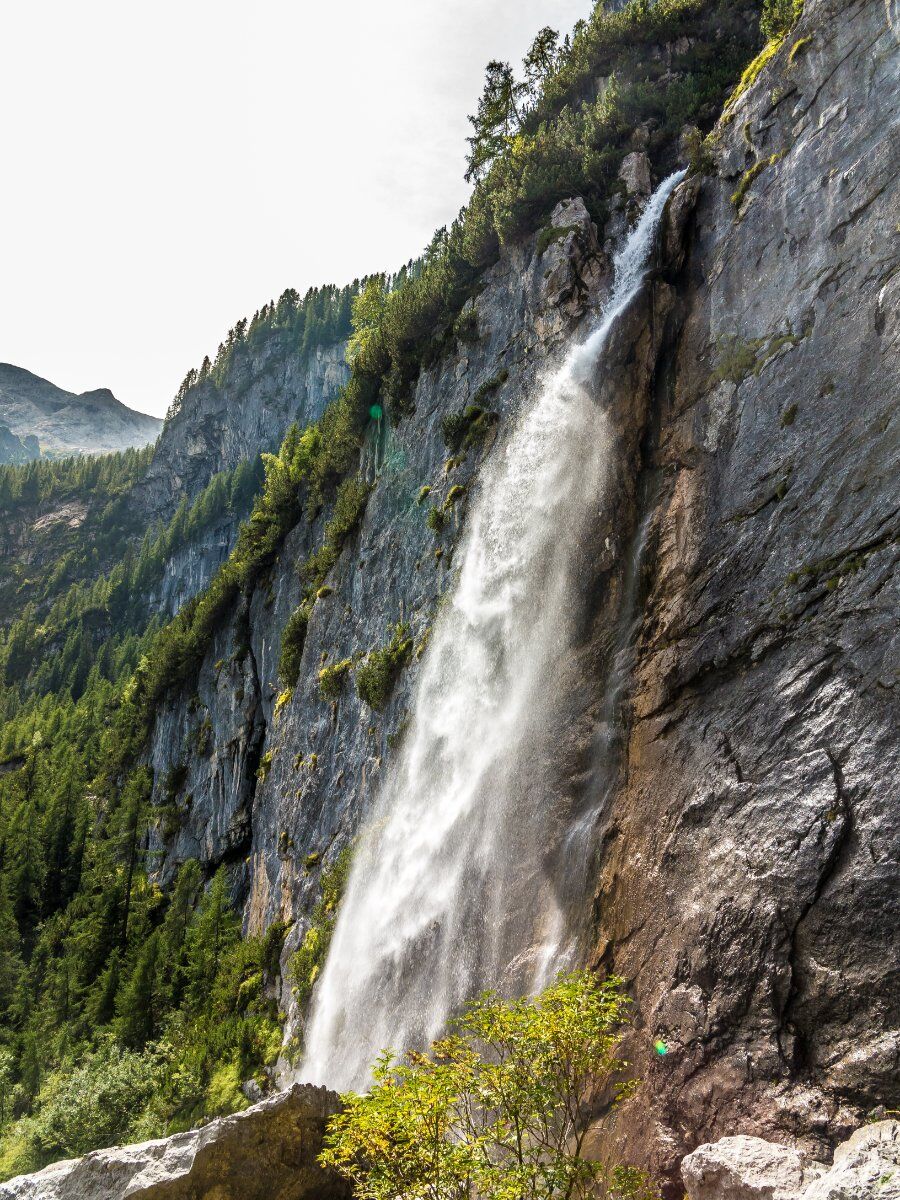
307 959
490 1111
553 233
293 639
377 676
779 17
98 1103
464 429
331 679
740 194
456 493
436 520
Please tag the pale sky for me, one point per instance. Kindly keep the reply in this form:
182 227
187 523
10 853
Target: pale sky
169 167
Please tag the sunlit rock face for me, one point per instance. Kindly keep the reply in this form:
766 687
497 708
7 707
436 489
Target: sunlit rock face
217 427
748 878
268 1151
867 1165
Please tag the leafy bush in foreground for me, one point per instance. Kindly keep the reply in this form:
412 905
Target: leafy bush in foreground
500 1107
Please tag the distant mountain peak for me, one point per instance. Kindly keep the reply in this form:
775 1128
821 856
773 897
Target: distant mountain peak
40 418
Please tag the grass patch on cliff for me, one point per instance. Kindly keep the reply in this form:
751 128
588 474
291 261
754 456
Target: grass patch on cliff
377 676
332 679
740 194
308 959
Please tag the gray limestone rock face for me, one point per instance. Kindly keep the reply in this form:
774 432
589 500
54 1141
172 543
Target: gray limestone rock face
729 711
749 887
216 427
267 1152
635 173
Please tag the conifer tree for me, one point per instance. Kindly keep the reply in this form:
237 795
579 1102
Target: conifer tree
497 119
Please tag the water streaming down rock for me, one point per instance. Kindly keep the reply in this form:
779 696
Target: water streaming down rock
449 892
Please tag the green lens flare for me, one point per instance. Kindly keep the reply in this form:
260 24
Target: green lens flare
660 1047
375 412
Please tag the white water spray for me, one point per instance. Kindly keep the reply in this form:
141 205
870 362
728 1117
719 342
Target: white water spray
449 893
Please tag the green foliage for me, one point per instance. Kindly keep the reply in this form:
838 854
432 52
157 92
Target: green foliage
798 47
83 618
289 326
314 459
553 233
746 181
114 995
332 679
500 1107
97 1103
157 1040
737 358
349 506
377 676
779 17
465 429
293 639
308 958
436 519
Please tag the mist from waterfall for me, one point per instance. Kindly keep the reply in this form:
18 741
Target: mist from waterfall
449 891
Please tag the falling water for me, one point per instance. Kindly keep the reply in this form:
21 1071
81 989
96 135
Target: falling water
449 891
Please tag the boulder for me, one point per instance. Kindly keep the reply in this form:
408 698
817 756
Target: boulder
267 1152
866 1166
635 173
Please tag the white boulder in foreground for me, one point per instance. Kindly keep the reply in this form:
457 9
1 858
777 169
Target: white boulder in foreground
267 1152
866 1167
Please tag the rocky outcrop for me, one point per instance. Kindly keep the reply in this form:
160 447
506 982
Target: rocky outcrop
221 425
267 1152
866 1166
44 418
748 883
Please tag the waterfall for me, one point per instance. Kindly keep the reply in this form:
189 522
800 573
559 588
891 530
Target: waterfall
449 891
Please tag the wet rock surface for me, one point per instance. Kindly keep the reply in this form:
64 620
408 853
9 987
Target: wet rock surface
748 885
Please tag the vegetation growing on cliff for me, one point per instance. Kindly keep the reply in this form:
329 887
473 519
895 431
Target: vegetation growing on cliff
307 960
499 1107
376 677
563 130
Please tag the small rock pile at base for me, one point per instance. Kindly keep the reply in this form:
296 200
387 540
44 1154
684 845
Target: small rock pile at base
866 1167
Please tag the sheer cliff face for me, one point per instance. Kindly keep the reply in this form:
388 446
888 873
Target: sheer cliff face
730 706
748 886
218 427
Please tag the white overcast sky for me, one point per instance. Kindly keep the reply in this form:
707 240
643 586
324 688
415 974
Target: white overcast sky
169 167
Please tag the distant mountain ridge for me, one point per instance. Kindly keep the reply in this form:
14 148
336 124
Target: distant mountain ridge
38 418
